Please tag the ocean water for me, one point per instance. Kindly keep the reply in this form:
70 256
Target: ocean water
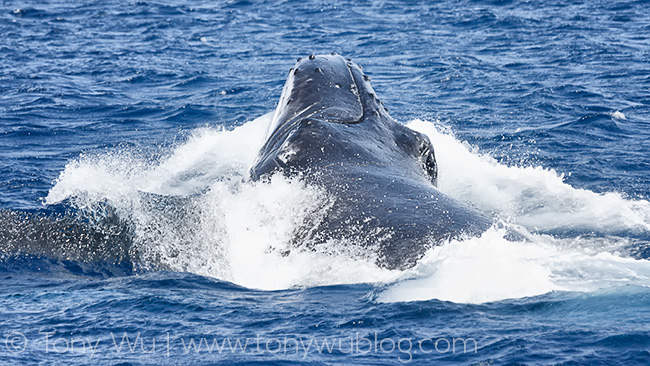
148 115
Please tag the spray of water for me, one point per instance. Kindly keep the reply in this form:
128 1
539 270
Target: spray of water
195 210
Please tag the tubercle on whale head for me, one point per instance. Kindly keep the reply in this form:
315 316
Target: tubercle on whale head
371 102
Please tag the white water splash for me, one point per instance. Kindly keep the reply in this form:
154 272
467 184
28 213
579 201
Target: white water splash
227 227
534 197
491 268
618 115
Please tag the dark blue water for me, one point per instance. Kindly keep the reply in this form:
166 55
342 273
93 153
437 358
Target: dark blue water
98 99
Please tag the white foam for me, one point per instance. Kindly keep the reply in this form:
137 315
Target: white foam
206 156
478 270
491 268
618 115
224 226
535 197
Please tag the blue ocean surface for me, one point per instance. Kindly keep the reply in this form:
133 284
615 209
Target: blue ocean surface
141 119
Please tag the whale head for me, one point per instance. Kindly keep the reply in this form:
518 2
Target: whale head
328 88
329 113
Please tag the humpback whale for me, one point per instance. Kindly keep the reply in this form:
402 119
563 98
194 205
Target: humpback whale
331 130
